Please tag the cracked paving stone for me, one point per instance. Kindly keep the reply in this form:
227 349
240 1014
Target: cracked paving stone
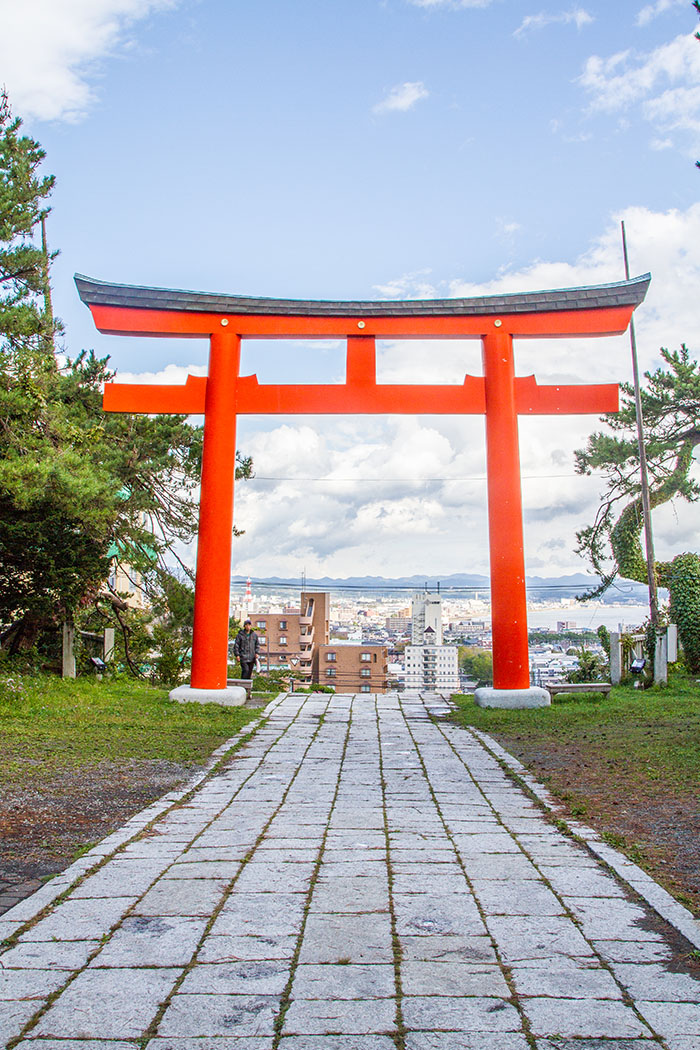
327 981
565 980
450 947
214 1014
28 984
246 948
14 1016
422 914
522 938
670 1019
632 951
95 1006
240 1042
74 1044
258 977
466 1041
49 955
358 938
182 897
654 982
582 1017
581 882
350 1016
558 1043
77 920
615 920
337 1042
152 940
510 898
452 978
119 879
460 1014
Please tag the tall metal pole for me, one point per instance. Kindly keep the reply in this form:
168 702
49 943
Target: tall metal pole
646 503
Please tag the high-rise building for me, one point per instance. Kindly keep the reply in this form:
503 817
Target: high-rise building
430 664
426 610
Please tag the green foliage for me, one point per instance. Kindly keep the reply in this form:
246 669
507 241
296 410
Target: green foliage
78 486
671 412
23 264
604 637
591 667
684 585
476 663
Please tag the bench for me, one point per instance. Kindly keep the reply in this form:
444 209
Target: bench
579 687
247 684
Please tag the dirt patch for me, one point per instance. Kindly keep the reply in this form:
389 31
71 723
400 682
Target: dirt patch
656 824
43 826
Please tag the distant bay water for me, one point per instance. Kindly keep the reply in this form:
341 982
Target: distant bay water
611 616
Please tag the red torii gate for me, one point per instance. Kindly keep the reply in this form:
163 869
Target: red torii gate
500 395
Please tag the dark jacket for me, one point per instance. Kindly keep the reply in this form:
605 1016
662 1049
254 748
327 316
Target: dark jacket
246 646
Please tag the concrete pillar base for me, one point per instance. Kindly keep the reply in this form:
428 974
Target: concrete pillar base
231 696
512 698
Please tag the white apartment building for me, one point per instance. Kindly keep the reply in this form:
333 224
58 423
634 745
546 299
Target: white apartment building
426 612
430 664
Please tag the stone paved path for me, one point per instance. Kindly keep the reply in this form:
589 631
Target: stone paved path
360 877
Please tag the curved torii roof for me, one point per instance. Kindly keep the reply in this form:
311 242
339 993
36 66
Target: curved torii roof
129 296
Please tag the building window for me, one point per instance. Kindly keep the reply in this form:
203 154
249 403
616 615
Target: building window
330 657
283 625
330 673
260 624
365 672
364 688
283 639
366 657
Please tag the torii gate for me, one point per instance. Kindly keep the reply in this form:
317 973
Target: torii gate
224 395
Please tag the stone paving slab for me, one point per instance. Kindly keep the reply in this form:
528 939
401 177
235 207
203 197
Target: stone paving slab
360 875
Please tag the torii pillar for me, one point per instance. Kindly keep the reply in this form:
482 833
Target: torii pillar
498 394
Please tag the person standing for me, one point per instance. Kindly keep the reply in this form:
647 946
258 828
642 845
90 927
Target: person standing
245 649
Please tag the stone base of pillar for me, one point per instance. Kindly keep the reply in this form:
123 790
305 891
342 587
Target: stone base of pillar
512 698
231 696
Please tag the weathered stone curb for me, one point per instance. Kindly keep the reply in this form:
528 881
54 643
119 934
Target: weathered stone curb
27 911
658 899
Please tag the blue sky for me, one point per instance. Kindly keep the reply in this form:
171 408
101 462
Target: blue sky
380 148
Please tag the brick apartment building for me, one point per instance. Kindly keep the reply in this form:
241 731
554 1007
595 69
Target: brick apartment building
298 640
287 639
351 668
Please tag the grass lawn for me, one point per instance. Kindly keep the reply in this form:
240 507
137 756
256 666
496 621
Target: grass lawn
79 757
628 764
49 724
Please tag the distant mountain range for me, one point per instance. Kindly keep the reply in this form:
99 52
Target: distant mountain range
458 583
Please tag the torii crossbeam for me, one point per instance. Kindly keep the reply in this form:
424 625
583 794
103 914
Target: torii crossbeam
499 395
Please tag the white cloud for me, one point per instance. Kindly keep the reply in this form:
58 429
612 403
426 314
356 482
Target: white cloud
49 50
576 16
652 11
398 494
663 83
402 97
408 286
